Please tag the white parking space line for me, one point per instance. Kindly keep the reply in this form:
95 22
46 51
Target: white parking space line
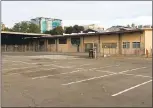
105 71
18 73
102 76
26 62
20 62
54 75
72 72
126 74
131 88
137 75
37 66
18 68
50 64
10 64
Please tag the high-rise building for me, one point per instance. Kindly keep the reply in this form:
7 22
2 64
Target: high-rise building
46 24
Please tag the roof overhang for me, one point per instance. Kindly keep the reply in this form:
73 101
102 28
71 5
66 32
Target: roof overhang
71 35
25 34
93 34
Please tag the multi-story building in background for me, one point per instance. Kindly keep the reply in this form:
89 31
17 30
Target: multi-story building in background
93 26
46 24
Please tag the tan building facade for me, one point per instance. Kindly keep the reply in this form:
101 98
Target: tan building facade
134 42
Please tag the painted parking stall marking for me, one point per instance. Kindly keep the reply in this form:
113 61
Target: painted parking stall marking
102 76
131 88
74 71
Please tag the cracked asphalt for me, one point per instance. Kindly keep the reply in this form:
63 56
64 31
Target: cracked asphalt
32 81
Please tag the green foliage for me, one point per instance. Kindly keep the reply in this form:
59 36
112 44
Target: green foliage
140 26
56 31
26 27
7 29
77 29
74 29
128 25
33 28
47 32
69 30
132 25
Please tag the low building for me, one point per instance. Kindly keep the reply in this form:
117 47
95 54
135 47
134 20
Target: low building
93 31
93 26
119 28
134 42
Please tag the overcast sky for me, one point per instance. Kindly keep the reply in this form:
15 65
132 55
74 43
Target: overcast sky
104 13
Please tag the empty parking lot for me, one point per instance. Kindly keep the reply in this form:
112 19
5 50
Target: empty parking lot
56 80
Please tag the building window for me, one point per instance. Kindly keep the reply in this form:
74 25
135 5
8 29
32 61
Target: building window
75 41
126 44
136 44
88 46
109 45
63 41
51 41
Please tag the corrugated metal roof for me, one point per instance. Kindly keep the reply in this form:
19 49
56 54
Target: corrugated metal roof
119 28
93 34
20 33
73 35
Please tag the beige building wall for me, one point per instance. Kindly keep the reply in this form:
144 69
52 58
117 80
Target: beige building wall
82 49
148 40
62 47
71 48
51 48
145 39
65 47
109 39
91 39
133 37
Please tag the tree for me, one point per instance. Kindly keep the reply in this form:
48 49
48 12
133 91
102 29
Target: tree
47 32
139 26
69 30
133 25
74 29
7 29
81 28
128 25
26 27
56 31
16 27
33 28
77 29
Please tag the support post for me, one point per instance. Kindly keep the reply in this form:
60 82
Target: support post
5 47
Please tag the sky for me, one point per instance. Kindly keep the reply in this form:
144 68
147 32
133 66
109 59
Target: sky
103 13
